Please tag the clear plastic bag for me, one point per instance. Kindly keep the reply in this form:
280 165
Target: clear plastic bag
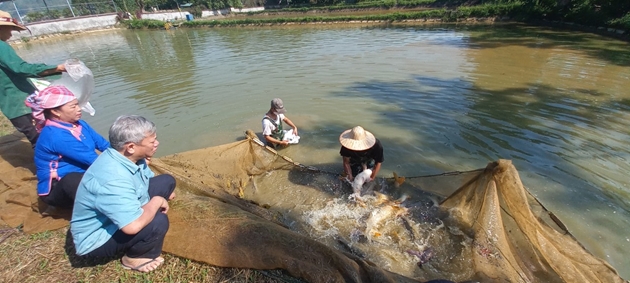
79 79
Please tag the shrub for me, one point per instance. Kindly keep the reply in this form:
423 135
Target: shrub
35 16
623 22
196 11
139 24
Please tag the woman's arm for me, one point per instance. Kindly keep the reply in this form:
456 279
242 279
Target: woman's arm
70 148
99 141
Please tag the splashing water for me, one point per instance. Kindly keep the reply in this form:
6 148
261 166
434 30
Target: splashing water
385 231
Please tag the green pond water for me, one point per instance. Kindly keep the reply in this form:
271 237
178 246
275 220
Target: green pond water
439 97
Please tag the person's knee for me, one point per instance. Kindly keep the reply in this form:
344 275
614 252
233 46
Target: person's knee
166 181
170 180
160 224
70 183
162 185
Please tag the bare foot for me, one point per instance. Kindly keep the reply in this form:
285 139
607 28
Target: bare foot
172 196
141 264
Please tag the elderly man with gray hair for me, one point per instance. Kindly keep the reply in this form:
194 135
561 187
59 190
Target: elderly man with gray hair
121 206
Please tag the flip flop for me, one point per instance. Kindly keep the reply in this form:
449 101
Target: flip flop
137 267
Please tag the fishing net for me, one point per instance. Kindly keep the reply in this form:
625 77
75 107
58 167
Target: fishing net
244 205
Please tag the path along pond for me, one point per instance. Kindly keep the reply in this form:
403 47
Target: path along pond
440 98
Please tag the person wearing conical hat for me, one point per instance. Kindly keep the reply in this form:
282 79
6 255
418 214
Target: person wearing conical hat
359 147
14 84
272 126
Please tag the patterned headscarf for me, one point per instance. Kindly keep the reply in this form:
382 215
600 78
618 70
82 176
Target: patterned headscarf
48 98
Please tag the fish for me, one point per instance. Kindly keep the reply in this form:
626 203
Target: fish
424 256
380 198
356 199
384 199
398 180
379 215
241 192
402 199
412 234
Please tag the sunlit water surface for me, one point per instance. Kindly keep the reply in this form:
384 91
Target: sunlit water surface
440 98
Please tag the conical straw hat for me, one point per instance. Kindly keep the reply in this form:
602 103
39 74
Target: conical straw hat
357 139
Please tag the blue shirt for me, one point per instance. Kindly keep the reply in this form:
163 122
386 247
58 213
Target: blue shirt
57 148
110 196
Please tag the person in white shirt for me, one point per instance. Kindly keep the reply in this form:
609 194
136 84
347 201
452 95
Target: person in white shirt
272 126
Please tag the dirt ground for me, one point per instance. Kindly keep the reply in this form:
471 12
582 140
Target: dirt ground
43 258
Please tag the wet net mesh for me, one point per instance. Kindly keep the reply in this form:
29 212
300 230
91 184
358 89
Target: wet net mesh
244 205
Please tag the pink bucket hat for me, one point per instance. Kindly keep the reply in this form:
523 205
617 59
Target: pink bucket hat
48 98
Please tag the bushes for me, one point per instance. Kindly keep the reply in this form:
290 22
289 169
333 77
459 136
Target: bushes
523 9
48 15
36 16
445 15
139 24
623 22
196 11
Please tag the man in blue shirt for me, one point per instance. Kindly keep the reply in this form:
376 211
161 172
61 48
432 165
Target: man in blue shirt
120 206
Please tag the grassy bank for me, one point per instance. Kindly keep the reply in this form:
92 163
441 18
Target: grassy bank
597 13
43 258
444 15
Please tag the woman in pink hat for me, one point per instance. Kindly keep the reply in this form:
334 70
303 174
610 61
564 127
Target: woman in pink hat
66 145
14 84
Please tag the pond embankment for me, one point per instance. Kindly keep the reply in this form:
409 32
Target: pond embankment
258 16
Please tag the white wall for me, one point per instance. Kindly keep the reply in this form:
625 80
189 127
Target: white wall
68 25
245 10
213 13
165 16
109 20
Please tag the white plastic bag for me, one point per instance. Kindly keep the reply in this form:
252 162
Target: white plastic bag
291 137
79 79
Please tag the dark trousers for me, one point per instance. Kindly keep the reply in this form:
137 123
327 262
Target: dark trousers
357 166
148 242
24 124
62 192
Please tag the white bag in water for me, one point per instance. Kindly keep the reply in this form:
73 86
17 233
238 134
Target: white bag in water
291 137
79 79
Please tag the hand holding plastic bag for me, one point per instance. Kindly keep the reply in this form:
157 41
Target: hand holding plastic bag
79 79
